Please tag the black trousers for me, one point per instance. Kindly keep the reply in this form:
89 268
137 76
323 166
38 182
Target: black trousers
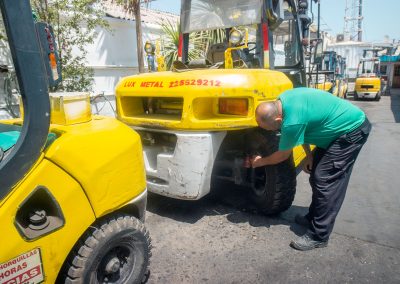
329 178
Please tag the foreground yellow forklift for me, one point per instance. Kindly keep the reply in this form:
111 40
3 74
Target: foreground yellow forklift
368 82
197 121
73 192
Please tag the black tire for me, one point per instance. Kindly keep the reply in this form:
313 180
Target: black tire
274 187
378 97
116 250
355 97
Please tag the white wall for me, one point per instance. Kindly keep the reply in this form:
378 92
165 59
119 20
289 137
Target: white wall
114 53
353 51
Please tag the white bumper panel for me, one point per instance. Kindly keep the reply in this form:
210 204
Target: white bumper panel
185 172
367 95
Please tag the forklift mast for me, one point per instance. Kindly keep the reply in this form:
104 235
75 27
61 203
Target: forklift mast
32 77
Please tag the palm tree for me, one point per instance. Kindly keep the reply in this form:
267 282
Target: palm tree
133 6
199 42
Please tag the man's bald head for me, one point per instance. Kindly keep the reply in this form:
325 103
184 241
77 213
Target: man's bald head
268 115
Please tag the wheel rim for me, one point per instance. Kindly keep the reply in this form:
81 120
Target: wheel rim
117 265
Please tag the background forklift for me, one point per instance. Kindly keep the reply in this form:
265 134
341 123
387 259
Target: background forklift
73 192
331 73
326 69
197 122
368 81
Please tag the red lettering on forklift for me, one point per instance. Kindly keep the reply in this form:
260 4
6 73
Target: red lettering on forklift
24 277
22 266
130 84
152 84
158 85
173 84
194 82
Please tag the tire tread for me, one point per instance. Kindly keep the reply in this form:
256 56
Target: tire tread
282 189
75 265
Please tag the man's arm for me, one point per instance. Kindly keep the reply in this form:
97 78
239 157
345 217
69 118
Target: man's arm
291 136
308 161
273 159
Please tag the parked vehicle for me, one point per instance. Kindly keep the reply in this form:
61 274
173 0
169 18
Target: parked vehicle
72 185
368 82
331 72
197 121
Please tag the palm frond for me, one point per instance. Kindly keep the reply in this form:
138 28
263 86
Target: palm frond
199 42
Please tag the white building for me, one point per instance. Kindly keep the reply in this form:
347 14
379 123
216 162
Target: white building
352 51
390 70
113 54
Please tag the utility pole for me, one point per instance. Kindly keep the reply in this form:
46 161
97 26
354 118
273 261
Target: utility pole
319 20
133 6
353 20
139 35
318 36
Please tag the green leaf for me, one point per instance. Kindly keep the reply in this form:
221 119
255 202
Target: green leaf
199 42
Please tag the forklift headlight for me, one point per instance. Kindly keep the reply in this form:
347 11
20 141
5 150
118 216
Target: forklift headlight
233 106
235 37
149 48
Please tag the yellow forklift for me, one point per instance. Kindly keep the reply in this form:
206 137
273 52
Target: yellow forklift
368 81
197 121
332 74
72 185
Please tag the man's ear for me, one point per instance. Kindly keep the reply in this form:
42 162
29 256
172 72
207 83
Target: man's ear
278 122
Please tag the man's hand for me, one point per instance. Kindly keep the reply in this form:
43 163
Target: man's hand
273 159
256 162
308 163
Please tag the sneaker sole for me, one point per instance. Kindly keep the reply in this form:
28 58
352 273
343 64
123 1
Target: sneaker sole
298 247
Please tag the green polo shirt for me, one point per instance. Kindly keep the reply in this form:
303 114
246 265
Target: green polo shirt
316 117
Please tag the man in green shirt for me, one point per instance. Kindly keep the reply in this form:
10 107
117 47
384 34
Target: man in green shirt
338 129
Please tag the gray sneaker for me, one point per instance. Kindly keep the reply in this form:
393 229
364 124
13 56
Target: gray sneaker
302 220
305 242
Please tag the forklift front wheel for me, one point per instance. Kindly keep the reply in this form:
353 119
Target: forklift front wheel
116 250
274 187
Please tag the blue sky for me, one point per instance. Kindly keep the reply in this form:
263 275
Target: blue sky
380 17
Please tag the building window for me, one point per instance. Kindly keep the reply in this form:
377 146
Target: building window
397 70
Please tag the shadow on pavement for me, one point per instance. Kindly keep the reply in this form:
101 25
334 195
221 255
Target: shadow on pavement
233 202
395 104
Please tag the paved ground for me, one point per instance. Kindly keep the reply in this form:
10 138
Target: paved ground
222 239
